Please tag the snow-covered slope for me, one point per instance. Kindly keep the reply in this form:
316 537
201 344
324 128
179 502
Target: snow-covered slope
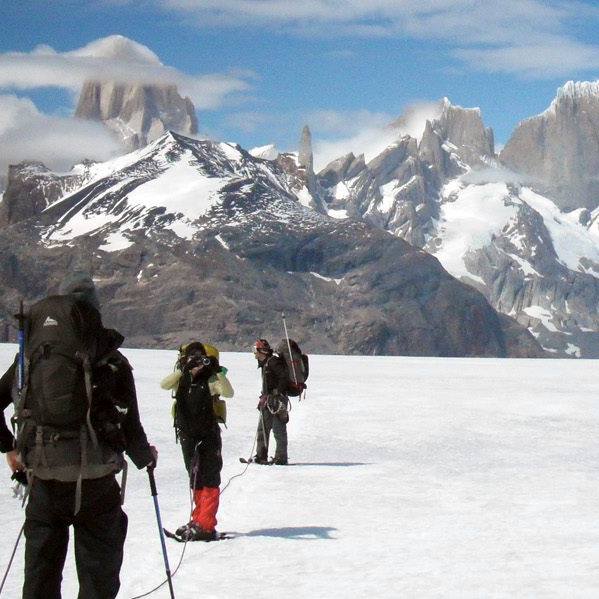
411 477
174 185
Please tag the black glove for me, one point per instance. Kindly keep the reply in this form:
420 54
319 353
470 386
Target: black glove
20 476
154 460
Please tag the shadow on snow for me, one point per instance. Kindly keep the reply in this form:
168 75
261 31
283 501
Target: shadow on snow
328 464
302 533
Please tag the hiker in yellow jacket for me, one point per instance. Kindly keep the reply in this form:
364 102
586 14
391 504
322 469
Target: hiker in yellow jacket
198 383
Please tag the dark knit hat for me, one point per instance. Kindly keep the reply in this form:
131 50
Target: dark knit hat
80 284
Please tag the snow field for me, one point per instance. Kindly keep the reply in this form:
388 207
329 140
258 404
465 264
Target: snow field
411 477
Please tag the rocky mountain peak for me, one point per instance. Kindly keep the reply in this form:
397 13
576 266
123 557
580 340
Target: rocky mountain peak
559 148
137 113
575 91
465 130
305 155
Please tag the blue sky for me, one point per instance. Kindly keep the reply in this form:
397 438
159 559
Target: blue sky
258 70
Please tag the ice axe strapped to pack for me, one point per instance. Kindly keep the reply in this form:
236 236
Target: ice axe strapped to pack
296 361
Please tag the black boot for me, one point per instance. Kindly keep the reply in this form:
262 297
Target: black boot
194 532
260 459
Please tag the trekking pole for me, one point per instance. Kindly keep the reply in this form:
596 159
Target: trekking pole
160 531
12 557
21 339
290 354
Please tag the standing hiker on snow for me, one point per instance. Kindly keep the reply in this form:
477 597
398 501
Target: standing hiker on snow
71 435
197 384
273 403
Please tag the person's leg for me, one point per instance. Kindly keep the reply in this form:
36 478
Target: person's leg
46 541
100 531
210 463
279 429
188 449
264 428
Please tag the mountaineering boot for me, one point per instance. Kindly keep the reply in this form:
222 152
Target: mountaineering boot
182 530
260 459
194 532
280 461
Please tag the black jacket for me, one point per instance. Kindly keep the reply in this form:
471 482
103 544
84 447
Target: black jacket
275 376
119 377
194 413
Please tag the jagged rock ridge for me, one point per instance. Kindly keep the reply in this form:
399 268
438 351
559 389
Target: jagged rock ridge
448 194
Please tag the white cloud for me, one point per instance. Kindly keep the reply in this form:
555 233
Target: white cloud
27 134
335 133
114 58
535 61
497 174
511 36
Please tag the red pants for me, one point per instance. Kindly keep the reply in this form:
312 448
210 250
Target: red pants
206 505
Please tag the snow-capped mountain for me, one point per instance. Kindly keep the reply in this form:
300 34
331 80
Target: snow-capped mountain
189 238
495 229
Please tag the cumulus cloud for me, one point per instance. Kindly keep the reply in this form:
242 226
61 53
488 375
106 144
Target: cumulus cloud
495 36
362 132
114 58
28 134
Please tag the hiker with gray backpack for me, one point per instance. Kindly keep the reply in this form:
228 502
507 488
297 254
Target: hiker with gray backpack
75 415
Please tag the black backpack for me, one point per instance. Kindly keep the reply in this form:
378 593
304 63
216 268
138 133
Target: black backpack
297 364
56 437
194 413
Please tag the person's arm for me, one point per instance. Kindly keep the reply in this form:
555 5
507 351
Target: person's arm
171 381
137 447
220 385
7 440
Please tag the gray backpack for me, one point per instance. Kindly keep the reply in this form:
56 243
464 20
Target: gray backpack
297 366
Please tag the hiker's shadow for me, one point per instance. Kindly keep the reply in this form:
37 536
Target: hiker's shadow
300 533
328 464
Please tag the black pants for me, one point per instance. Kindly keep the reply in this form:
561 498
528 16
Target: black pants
203 458
278 424
100 528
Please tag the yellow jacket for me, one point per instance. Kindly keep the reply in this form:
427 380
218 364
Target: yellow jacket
218 383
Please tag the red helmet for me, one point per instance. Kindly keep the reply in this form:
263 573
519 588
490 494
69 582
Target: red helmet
263 346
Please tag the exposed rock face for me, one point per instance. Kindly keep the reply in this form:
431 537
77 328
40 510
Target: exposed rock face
224 265
463 130
30 188
139 114
305 156
559 149
299 169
